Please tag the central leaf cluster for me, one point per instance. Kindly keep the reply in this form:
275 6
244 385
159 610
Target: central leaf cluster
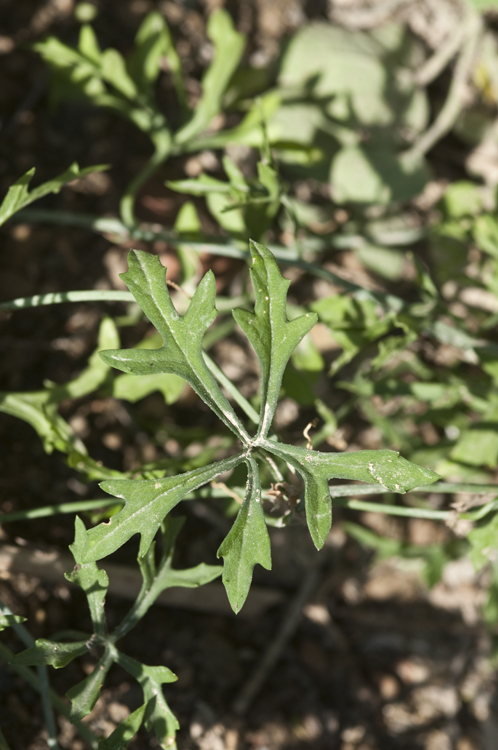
273 337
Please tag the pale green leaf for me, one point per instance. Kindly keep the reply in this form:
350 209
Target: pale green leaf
86 693
478 445
96 372
147 502
114 71
359 72
135 387
19 195
229 45
37 409
387 468
181 353
159 716
202 185
190 578
88 45
484 543
373 173
272 336
7 621
124 732
50 652
247 543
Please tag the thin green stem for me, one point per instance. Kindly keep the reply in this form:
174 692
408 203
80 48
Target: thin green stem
52 510
232 389
57 298
395 510
285 255
143 603
30 677
48 713
127 205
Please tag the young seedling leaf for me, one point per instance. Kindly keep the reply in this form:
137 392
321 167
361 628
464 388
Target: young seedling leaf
38 409
159 716
272 336
181 352
229 46
387 468
20 196
124 733
190 578
483 542
92 580
50 652
147 502
247 543
85 694
7 621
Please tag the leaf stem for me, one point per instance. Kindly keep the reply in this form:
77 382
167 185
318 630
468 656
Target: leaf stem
215 246
232 389
44 688
127 205
395 510
52 510
30 677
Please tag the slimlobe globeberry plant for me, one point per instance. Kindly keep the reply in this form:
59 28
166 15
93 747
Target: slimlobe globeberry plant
147 503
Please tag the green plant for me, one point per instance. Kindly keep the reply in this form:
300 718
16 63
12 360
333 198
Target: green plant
311 126
147 502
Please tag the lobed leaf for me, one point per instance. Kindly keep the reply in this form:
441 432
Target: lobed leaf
124 733
190 578
247 543
387 468
85 694
272 336
92 580
147 502
19 195
229 46
50 652
159 716
181 353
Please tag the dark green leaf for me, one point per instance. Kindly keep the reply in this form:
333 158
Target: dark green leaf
267 328
181 353
387 468
147 502
50 652
92 580
247 543
85 694
124 733
159 716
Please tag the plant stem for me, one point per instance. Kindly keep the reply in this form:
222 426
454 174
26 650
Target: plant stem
52 510
57 298
395 510
287 255
30 677
127 205
44 688
232 389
